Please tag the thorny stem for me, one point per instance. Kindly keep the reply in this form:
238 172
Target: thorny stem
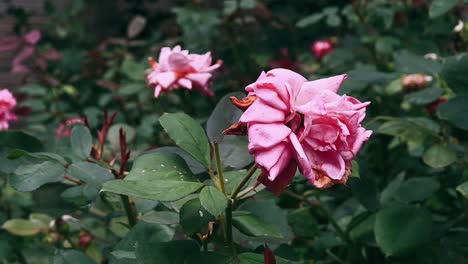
219 167
325 211
132 219
244 181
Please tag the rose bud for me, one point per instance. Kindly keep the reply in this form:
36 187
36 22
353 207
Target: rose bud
321 48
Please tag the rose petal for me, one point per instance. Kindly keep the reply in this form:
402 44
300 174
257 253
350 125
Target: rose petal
260 112
302 160
274 160
264 136
278 185
165 79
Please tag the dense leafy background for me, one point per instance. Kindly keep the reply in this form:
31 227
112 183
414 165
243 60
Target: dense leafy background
407 199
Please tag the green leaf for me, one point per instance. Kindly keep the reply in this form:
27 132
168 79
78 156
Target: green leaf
158 166
22 227
193 217
195 166
439 156
223 116
214 201
41 219
33 89
251 225
80 194
394 87
72 256
309 20
409 129
143 233
454 111
333 20
417 189
81 141
189 135
90 173
390 191
19 140
463 189
440 7
234 152
407 62
131 89
132 70
425 96
303 223
122 254
399 229
454 73
363 76
27 178
355 170
171 252
268 212
161 190
160 217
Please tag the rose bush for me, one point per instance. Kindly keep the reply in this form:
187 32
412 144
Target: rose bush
349 148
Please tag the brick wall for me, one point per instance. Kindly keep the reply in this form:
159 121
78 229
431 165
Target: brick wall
35 7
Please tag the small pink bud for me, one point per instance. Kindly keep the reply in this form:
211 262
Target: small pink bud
321 48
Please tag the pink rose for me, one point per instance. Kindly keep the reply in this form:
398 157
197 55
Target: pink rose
7 103
177 68
293 123
64 128
321 48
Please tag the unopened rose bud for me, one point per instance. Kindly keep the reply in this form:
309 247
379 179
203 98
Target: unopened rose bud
321 48
415 82
85 240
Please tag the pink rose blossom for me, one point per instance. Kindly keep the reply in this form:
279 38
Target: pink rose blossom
7 103
294 123
321 48
176 68
64 128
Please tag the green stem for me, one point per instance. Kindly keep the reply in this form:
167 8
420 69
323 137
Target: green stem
219 167
229 239
228 214
132 219
244 181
